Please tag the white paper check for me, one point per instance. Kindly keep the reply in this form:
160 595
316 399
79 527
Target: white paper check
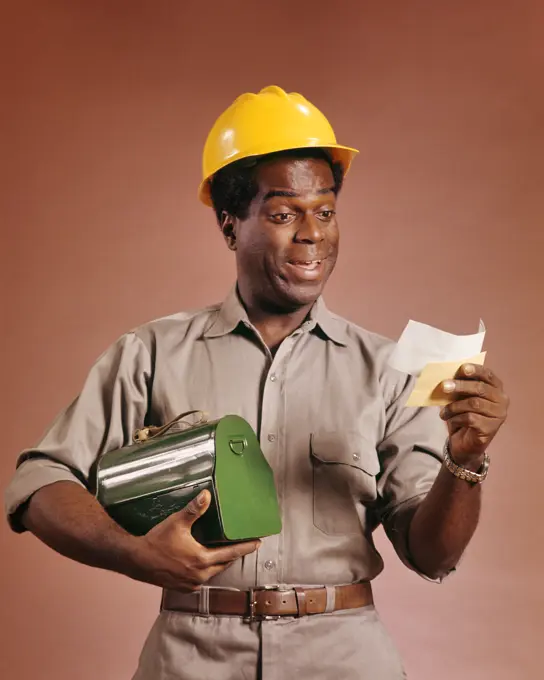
432 355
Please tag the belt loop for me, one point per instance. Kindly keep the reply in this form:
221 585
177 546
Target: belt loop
331 599
300 594
204 601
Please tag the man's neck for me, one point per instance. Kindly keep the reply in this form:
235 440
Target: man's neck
273 326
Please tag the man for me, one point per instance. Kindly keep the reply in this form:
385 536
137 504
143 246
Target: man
347 454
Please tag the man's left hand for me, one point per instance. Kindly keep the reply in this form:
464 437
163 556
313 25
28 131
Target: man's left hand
478 409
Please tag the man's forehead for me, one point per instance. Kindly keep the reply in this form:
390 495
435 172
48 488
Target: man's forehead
293 176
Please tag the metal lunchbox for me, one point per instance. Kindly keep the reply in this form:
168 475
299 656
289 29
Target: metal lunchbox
141 484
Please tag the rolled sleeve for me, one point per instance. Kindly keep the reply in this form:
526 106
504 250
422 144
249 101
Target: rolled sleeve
112 403
30 476
411 457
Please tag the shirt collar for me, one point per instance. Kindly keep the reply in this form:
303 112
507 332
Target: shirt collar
231 313
333 326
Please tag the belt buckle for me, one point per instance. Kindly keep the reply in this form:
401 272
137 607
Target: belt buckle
252 602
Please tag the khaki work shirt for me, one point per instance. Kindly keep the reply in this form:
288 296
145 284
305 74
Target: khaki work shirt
346 453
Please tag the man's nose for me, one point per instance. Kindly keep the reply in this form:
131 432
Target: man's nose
310 229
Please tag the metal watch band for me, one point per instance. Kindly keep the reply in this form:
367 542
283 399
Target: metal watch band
463 473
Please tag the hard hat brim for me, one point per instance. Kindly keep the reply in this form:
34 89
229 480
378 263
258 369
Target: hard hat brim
339 153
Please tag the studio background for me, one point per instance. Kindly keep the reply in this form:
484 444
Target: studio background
105 106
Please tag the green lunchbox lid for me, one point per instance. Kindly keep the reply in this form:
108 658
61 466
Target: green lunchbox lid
244 483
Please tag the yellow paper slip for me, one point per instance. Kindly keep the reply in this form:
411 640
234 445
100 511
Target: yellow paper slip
427 390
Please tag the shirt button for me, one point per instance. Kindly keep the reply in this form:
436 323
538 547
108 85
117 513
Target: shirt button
356 456
271 437
269 564
273 377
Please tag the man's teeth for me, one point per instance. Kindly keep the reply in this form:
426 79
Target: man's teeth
308 263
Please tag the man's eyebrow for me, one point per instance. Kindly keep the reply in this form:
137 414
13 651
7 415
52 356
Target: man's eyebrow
284 193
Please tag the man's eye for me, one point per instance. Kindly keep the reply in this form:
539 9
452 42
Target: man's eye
326 214
281 217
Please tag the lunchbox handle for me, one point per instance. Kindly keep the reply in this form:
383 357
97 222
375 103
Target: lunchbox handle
153 431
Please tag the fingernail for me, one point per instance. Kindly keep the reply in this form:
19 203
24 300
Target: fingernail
201 498
468 369
448 386
442 412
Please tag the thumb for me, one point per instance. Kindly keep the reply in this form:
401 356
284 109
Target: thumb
196 508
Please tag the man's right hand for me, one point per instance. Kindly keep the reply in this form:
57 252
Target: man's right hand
169 556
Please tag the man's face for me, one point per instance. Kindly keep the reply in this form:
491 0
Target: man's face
287 247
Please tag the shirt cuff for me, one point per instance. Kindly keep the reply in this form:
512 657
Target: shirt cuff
31 476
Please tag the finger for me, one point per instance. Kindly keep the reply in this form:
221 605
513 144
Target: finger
213 556
210 572
478 372
195 509
472 388
475 405
483 425
187 587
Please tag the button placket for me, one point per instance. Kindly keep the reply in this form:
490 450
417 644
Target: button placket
271 410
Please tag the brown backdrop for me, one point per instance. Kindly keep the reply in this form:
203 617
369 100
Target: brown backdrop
105 106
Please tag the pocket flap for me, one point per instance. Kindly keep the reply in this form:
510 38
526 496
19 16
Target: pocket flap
347 447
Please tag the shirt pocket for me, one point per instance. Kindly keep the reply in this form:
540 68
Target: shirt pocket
345 465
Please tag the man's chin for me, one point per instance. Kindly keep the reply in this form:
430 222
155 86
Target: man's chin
296 296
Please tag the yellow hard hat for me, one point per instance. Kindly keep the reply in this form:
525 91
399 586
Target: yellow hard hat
257 124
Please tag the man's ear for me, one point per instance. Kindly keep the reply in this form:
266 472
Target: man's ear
228 228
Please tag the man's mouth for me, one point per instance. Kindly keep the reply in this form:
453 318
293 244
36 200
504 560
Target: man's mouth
307 270
309 265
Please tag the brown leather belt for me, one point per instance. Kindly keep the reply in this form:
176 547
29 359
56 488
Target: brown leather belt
269 602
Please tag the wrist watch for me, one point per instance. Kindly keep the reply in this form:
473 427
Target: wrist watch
463 473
